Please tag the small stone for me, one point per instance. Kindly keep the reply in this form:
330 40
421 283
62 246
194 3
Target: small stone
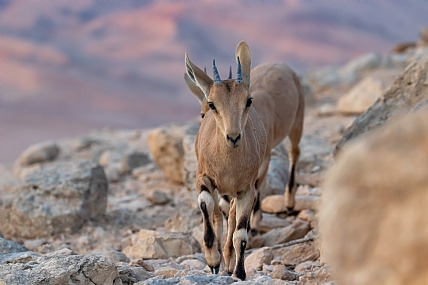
193 264
167 272
274 204
281 272
33 244
115 256
281 235
307 215
157 197
141 263
319 275
41 152
155 245
46 248
254 261
133 160
298 253
307 265
140 273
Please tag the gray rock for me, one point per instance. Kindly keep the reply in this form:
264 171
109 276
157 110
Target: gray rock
8 246
62 269
57 198
34 244
18 257
41 152
115 256
407 91
202 280
131 274
135 159
278 172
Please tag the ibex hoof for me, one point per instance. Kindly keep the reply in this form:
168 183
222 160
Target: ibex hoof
215 270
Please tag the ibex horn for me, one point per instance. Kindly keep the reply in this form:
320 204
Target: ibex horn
217 79
239 72
230 73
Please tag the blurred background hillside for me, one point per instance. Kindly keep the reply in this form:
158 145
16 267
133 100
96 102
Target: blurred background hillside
71 66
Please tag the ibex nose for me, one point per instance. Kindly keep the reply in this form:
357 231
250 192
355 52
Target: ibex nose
234 139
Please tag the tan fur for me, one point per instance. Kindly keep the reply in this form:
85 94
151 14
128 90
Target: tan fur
230 148
279 101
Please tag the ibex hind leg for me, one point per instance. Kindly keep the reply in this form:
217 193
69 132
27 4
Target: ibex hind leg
294 153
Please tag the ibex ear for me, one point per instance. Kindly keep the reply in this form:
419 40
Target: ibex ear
243 52
200 78
194 89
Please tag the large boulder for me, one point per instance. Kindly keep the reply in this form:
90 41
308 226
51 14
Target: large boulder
373 215
408 92
57 198
62 267
166 147
364 94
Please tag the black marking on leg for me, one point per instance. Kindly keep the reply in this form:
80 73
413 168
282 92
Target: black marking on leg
243 223
256 185
256 203
240 268
224 214
226 197
291 182
204 188
209 235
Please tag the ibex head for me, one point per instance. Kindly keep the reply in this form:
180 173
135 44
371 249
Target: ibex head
229 100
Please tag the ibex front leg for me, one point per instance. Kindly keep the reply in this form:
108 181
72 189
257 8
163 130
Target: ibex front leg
213 229
244 206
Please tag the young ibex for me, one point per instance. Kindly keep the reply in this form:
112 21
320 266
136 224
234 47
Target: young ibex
279 102
233 146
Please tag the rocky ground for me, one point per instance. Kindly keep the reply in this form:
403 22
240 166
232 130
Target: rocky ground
118 206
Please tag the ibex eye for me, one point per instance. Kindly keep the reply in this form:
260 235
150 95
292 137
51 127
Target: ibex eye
211 105
202 115
249 102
